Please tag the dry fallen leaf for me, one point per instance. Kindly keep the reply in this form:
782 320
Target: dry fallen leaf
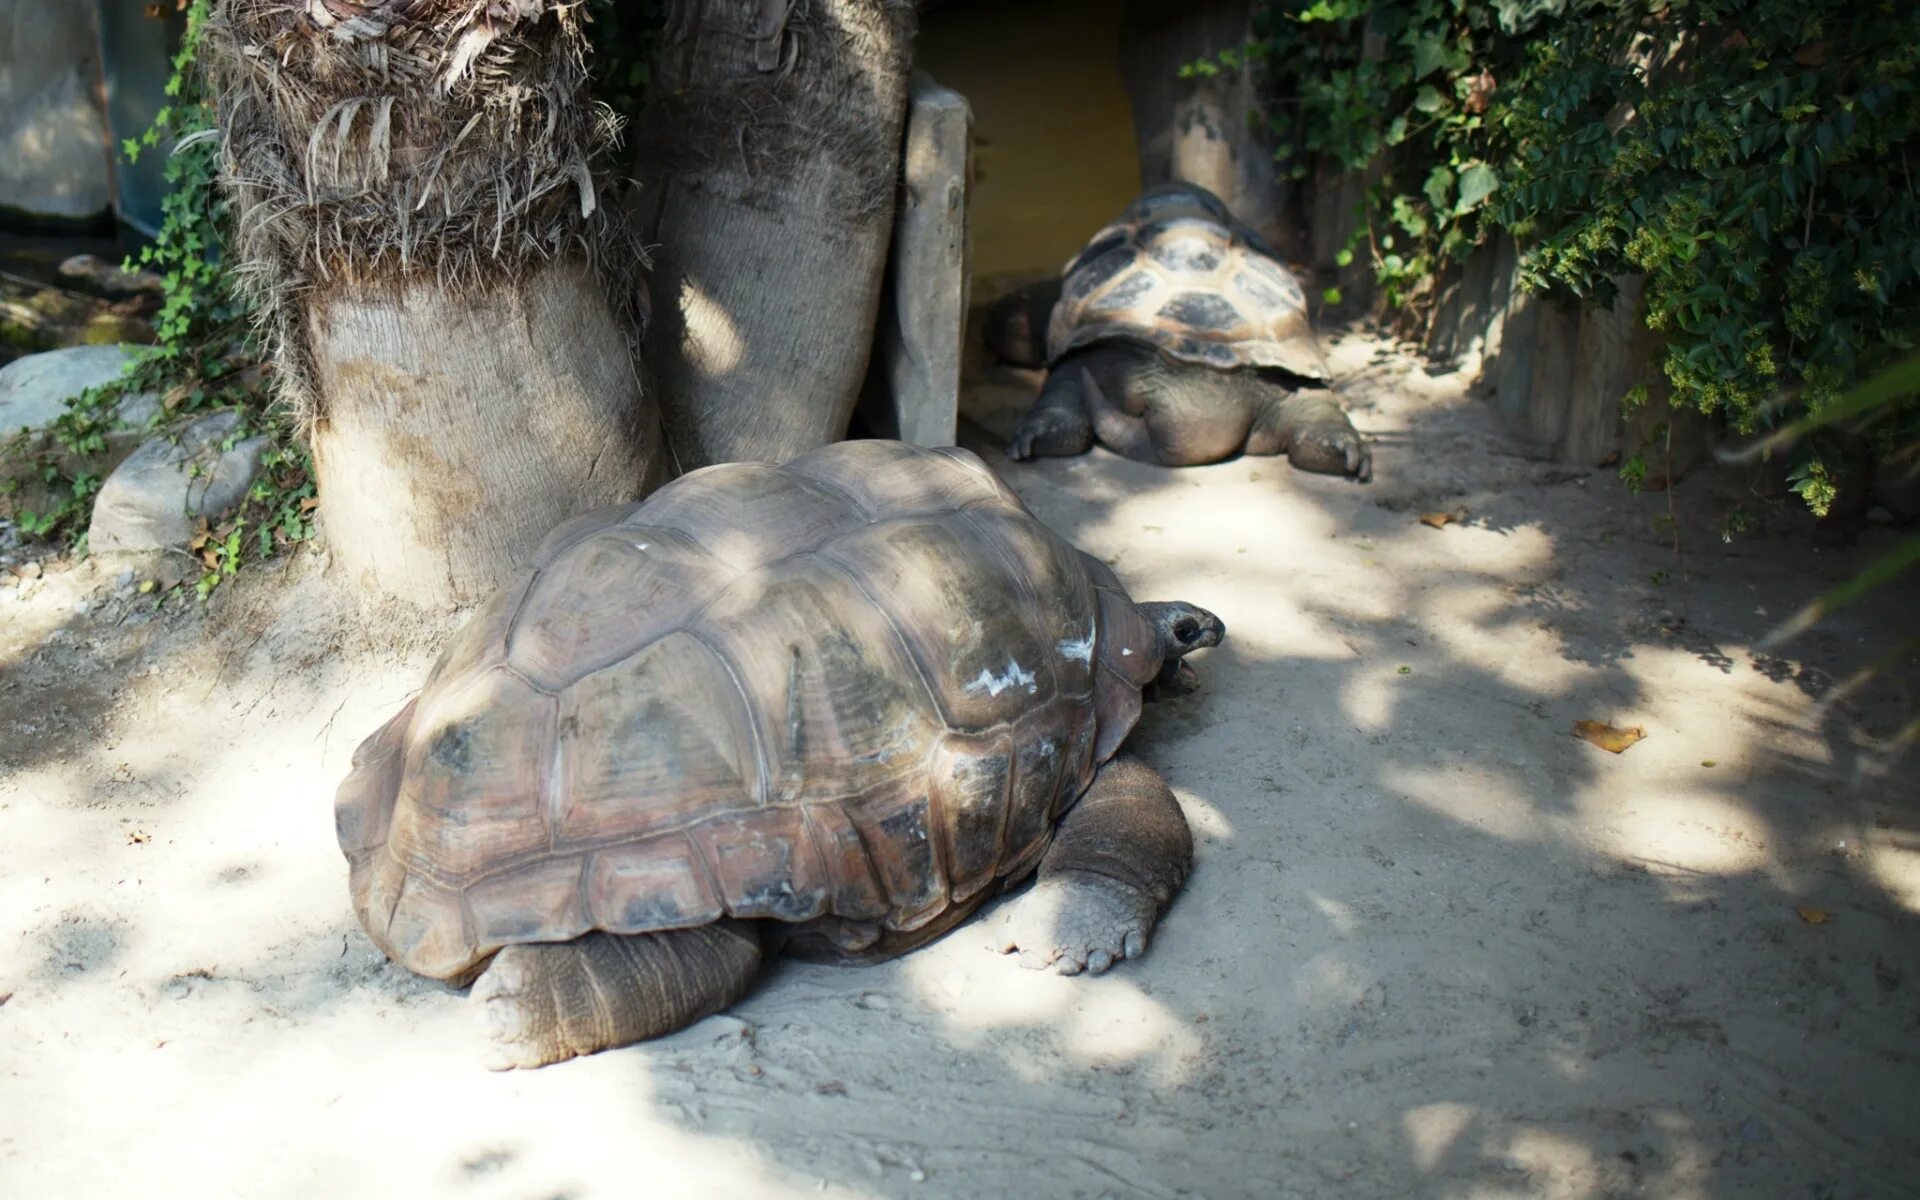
1814 54
1479 92
1811 915
1437 519
1610 738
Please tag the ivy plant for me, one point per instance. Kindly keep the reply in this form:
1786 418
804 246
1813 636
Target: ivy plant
205 356
1752 159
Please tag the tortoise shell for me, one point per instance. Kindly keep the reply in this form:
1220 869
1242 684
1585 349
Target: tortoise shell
1177 272
859 687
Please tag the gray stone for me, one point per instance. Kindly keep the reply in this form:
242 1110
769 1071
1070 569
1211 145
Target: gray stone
34 390
924 312
54 147
155 498
91 273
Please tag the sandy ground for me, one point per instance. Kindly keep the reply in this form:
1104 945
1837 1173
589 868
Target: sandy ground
1434 945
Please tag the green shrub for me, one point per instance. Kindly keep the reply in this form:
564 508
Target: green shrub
1753 159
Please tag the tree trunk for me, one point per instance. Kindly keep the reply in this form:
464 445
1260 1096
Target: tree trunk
769 156
418 215
1196 130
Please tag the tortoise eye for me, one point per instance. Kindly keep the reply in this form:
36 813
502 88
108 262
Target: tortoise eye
1186 629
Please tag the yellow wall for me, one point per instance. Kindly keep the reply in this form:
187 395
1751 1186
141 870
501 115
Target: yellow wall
1054 137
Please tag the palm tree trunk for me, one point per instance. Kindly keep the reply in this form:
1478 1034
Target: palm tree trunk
1195 129
769 157
418 213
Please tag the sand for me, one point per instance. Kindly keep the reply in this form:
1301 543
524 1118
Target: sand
1434 944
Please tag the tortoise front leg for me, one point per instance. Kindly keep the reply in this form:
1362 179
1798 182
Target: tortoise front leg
1118 858
546 1002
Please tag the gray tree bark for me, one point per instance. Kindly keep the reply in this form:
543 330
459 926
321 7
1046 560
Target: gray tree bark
769 157
1196 130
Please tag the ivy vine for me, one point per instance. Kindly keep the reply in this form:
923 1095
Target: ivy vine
205 354
1752 159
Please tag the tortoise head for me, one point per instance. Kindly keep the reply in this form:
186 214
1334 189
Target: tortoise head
1180 629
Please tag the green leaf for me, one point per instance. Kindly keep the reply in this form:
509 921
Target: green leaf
1439 187
1429 53
1477 182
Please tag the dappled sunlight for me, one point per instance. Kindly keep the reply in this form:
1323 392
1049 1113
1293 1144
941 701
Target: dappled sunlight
1452 1139
1895 866
1432 1129
1340 917
1101 1021
715 348
1208 821
1331 982
1477 623
1549 1160
1477 797
1683 832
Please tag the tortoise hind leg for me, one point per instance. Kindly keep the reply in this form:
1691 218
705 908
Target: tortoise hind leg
1118 858
1057 424
1313 431
546 1002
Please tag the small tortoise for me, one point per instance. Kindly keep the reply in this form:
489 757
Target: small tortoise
1176 337
834 705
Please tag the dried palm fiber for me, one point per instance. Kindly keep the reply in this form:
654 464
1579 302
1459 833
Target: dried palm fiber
452 305
768 158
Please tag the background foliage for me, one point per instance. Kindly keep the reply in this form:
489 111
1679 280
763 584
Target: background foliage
1753 159
204 356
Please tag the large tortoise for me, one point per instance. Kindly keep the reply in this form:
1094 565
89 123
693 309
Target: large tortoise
836 703
1176 336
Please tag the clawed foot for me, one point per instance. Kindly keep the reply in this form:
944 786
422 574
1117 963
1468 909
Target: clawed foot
1076 921
1334 452
517 1014
1050 431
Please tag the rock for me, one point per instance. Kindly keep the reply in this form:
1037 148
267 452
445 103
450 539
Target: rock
924 311
35 317
34 390
152 502
54 148
34 393
92 273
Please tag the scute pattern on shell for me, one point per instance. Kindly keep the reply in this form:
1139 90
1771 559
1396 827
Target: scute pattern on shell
861 686
1177 272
